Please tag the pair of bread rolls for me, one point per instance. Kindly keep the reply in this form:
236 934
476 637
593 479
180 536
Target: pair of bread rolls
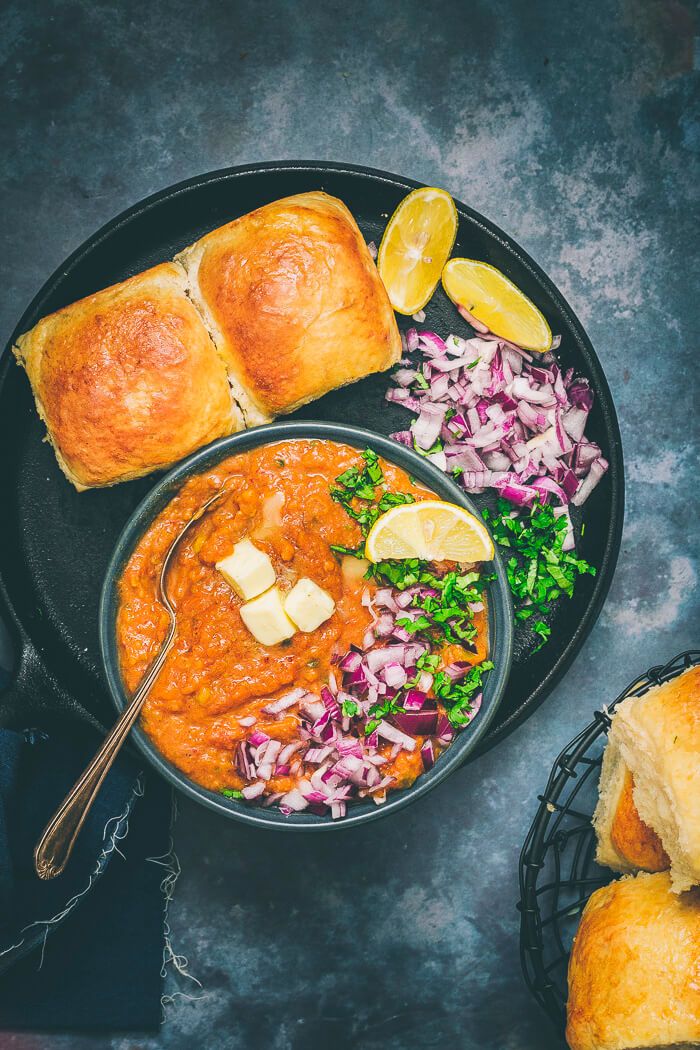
634 971
257 318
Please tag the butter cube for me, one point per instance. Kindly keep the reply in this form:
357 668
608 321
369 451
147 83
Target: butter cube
266 619
248 570
308 605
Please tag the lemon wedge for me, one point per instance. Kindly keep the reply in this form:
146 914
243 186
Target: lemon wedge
430 530
415 247
495 301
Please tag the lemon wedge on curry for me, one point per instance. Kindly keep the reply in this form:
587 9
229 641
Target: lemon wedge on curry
430 530
495 301
415 247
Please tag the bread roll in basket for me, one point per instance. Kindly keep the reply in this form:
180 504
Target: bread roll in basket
634 970
648 815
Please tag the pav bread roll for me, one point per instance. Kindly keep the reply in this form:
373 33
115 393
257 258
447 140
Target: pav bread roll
128 380
294 303
254 320
625 842
634 970
648 814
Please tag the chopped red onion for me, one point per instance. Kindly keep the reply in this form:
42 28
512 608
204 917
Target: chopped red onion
287 752
444 731
597 469
417 723
346 766
414 700
568 544
257 737
395 675
527 416
395 736
425 681
330 703
412 340
288 700
293 801
316 755
427 753
457 670
349 746
272 751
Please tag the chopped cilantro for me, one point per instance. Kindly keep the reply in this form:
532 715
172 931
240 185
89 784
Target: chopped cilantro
394 499
353 552
428 662
458 695
539 570
355 484
440 611
381 710
544 631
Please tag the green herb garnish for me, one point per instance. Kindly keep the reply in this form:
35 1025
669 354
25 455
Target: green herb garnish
354 552
458 695
231 793
357 494
439 616
538 570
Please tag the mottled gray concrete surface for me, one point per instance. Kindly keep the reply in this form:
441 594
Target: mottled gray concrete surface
574 127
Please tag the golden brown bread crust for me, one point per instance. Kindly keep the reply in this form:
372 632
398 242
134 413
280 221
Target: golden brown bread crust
294 303
658 738
632 838
613 779
634 970
128 380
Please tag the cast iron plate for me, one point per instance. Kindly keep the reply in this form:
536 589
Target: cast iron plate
55 543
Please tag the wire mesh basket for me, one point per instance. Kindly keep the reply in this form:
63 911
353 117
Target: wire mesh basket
558 872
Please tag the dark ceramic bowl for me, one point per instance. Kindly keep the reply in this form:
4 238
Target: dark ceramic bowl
499 605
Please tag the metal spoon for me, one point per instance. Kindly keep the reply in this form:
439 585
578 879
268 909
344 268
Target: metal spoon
55 845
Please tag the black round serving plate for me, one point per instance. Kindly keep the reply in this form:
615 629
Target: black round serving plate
55 543
558 872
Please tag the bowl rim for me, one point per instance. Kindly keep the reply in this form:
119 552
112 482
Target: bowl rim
501 627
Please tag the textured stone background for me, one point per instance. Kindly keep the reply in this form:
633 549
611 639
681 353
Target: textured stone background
574 127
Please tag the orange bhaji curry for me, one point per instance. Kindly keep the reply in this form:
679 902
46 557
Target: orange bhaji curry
352 708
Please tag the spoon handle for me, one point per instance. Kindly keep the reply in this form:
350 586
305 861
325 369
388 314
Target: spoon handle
55 845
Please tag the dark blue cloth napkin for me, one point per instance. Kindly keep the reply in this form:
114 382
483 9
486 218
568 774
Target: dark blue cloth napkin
85 950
